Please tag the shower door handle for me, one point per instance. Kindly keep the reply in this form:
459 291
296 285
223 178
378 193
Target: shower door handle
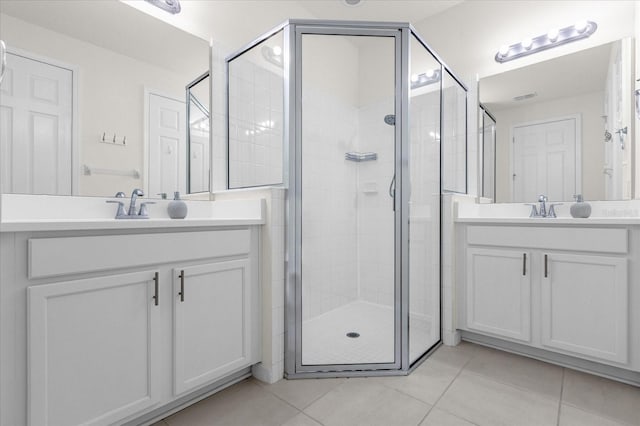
392 191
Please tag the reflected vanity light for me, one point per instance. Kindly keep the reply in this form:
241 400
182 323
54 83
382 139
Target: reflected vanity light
273 55
424 79
171 6
553 38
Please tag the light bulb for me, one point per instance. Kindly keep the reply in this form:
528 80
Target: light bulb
503 50
553 34
414 78
430 73
527 43
277 50
580 26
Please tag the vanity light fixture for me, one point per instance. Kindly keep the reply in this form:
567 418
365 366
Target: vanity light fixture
171 6
424 79
555 37
273 55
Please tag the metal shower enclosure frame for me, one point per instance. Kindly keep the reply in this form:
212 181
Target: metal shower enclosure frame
292 170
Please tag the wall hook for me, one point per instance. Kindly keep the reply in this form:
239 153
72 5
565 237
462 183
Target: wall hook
621 132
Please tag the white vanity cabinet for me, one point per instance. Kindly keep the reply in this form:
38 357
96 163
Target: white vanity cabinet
92 349
584 305
103 327
498 292
211 319
560 289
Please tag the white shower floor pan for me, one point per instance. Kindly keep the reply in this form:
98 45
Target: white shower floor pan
325 341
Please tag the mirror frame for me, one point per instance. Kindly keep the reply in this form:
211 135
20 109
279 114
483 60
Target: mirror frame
200 78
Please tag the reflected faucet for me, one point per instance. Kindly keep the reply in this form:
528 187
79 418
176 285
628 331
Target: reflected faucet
134 195
541 210
542 201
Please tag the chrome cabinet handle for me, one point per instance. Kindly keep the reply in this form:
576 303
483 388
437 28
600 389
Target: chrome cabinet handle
181 293
3 60
546 266
524 264
155 296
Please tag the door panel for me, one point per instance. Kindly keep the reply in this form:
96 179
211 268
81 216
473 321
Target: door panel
36 104
93 347
544 160
584 305
167 145
348 312
206 297
499 292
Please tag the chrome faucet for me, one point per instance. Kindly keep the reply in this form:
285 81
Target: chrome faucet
131 214
541 209
134 195
542 202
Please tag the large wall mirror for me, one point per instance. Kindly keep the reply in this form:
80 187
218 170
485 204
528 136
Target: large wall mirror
564 126
94 101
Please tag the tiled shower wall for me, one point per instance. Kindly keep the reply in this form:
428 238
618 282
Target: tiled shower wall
329 247
375 213
255 123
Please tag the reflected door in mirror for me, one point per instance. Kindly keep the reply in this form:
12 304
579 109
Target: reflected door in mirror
544 160
36 119
167 145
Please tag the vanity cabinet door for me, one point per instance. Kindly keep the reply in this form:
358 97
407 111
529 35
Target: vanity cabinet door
585 305
498 292
92 346
212 322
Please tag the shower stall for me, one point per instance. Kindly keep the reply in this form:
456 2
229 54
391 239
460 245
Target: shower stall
365 127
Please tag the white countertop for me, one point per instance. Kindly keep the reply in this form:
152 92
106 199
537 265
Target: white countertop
25 213
609 213
101 224
552 221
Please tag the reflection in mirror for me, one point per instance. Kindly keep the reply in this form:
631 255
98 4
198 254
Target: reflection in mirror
560 126
454 135
79 90
198 136
487 138
256 105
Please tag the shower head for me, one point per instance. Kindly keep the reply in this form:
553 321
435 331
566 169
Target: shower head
390 119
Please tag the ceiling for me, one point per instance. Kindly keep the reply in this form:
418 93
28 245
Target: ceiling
377 10
565 76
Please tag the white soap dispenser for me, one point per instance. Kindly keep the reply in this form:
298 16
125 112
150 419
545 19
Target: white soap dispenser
580 209
177 208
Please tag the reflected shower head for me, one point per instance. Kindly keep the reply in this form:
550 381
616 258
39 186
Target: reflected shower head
390 119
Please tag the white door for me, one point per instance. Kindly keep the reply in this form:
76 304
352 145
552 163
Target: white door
212 322
167 145
36 107
198 163
93 350
499 292
584 305
544 160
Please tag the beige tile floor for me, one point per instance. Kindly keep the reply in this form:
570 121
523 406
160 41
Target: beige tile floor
464 385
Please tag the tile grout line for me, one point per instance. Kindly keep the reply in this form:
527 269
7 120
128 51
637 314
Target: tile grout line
561 395
445 391
514 386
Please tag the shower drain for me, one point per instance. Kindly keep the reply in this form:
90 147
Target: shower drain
353 334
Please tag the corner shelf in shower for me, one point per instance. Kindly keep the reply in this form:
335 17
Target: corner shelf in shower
361 156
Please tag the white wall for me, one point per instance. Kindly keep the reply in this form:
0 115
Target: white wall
467 37
111 99
590 107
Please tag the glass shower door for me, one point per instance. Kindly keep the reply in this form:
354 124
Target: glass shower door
346 146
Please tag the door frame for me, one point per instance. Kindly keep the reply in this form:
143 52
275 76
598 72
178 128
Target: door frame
578 148
75 121
146 149
293 72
